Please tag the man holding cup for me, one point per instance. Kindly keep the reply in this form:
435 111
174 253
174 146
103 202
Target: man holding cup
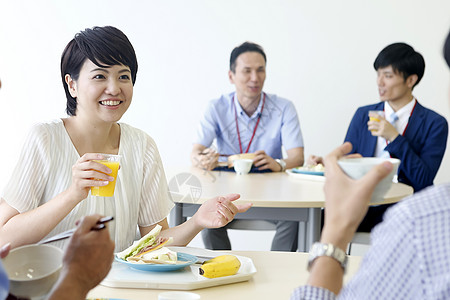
404 129
398 126
408 131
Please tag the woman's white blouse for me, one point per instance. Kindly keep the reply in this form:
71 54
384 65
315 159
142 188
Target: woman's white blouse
44 170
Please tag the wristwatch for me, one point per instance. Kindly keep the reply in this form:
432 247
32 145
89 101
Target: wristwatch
319 249
282 164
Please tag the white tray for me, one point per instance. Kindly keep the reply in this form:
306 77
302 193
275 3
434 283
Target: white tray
122 276
306 176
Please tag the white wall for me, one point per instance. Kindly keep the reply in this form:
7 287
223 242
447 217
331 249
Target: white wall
320 55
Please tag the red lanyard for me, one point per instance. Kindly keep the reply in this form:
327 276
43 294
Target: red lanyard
408 120
256 126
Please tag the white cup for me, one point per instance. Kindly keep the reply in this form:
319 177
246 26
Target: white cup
178 296
242 166
358 167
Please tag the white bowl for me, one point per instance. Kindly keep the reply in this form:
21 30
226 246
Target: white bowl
242 166
358 167
33 269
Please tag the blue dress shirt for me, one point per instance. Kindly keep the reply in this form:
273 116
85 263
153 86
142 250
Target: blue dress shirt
279 126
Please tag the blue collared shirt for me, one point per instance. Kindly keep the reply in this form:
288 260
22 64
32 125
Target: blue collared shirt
279 126
409 257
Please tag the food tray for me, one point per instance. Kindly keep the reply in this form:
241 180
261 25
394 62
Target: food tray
319 178
122 276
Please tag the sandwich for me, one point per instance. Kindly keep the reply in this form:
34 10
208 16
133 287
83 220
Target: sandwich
150 249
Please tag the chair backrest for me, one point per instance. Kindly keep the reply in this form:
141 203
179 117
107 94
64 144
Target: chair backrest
252 225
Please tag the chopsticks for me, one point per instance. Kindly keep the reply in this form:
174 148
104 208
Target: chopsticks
201 259
224 155
68 233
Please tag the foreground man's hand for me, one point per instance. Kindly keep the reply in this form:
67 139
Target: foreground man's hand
87 260
346 203
347 199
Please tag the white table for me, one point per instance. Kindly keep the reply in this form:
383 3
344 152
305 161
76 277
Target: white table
275 196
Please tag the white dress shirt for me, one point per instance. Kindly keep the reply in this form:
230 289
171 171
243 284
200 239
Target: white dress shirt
403 115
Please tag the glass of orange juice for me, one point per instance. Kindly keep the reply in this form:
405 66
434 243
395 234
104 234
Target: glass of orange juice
375 114
111 161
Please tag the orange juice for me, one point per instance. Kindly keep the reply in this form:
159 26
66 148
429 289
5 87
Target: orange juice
107 190
374 119
373 115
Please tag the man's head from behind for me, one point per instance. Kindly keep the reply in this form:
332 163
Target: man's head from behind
403 59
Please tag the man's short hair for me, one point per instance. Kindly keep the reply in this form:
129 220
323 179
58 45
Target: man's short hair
245 47
447 49
403 59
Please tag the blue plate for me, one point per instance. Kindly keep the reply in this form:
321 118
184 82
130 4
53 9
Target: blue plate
307 172
184 258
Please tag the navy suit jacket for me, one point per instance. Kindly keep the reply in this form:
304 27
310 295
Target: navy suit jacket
420 150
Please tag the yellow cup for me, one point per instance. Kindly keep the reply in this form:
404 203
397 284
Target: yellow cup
112 162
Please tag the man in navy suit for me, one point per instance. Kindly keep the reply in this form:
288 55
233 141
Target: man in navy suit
404 129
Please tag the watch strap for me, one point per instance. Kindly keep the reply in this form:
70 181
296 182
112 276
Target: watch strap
282 164
321 249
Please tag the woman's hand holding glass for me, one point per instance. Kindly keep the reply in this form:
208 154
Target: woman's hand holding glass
87 173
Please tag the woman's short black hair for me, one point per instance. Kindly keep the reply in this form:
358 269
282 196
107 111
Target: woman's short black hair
403 59
104 46
245 47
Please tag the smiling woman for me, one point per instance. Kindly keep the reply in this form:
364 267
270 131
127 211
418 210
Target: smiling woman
103 94
90 45
49 189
